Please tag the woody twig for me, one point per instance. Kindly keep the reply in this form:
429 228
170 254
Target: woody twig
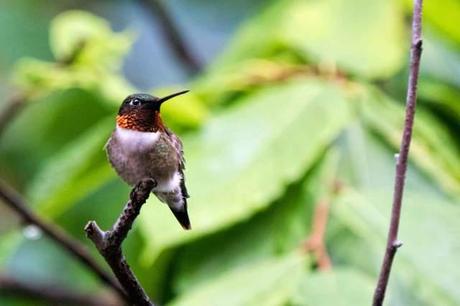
109 242
401 165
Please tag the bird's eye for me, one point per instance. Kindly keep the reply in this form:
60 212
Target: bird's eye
135 102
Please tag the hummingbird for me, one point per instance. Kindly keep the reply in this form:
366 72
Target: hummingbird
141 146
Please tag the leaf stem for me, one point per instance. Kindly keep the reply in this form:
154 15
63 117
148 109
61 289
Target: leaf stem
316 242
401 165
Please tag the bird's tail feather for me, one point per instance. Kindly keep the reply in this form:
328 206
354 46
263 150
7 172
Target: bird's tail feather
181 215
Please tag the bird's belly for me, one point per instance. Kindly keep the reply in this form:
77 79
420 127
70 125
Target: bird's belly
134 164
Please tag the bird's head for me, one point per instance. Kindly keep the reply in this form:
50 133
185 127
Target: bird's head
141 112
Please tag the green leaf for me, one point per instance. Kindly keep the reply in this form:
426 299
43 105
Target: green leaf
76 170
102 202
8 243
340 287
330 32
268 282
421 271
89 55
444 97
327 34
245 158
23 26
186 112
47 125
244 77
281 228
43 261
443 16
41 79
428 259
369 44
440 61
89 36
432 148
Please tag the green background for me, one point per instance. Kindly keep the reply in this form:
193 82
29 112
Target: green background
294 99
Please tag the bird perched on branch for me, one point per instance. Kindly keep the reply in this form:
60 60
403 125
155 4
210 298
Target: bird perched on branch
143 147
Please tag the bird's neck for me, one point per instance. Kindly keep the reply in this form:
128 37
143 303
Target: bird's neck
141 121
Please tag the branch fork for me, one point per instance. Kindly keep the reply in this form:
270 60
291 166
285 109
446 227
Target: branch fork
14 201
108 243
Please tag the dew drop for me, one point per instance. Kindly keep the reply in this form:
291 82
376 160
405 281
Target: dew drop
32 232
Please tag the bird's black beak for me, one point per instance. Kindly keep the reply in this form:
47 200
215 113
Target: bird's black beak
164 99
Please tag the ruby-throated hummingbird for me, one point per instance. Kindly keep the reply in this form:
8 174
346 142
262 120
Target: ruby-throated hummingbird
143 147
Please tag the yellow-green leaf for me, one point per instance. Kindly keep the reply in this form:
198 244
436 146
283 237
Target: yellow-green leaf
269 282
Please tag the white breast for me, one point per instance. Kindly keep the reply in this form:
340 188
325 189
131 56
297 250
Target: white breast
132 140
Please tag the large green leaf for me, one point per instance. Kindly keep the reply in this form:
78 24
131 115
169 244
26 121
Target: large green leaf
73 172
425 255
327 34
330 32
340 287
247 156
432 148
421 272
47 125
369 43
268 282
278 230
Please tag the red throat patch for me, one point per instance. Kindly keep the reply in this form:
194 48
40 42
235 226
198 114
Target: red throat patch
141 121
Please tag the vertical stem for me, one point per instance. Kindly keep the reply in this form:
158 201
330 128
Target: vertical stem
316 242
401 166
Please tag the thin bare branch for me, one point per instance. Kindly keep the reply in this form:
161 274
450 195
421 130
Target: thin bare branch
109 242
12 107
401 165
51 293
13 200
173 36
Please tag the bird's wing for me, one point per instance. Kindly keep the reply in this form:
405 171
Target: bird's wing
177 144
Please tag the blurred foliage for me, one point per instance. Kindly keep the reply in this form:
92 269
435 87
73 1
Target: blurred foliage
307 95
